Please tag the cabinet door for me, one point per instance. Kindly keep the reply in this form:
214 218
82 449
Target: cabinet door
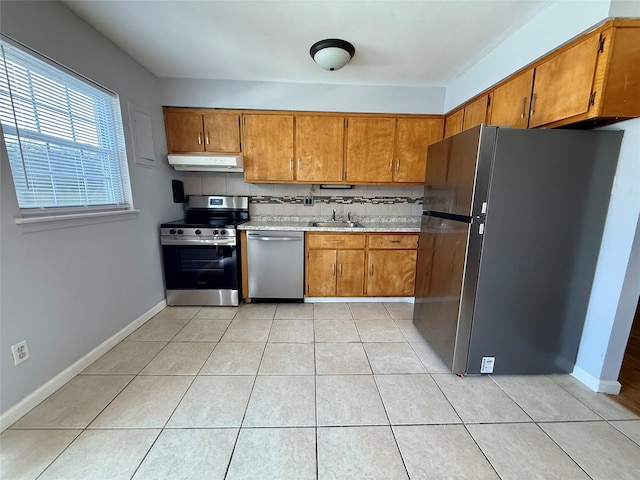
453 123
319 148
562 85
268 148
184 131
350 271
475 113
222 132
413 136
392 273
321 273
370 144
510 103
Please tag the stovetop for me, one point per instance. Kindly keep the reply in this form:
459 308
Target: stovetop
209 216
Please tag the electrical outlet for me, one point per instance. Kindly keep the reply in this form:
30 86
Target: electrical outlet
487 364
308 201
20 352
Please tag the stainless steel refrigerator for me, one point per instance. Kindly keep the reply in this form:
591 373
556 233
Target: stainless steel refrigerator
510 235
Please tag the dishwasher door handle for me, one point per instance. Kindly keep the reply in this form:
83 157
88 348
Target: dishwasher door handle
274 239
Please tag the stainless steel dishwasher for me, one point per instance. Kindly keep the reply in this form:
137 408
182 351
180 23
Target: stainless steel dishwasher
275 260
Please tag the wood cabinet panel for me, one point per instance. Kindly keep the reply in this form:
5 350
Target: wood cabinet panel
390 241
336 241
510 102
413 136
475 113
319 148
268 147
619 96
453 123
370 144
562 86
335 265
350 273
222 132
321 273
184 130
391 273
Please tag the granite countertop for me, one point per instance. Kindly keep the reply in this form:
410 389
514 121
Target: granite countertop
302 224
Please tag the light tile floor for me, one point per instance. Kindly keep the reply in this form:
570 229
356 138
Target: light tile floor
297 391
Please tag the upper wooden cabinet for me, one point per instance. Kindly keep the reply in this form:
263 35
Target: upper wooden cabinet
596 77
475 112
453 123
370 147
510 101
268 148
413 136
319 148
562 85
198 131
592 80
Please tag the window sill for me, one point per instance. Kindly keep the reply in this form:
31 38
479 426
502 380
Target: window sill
53 222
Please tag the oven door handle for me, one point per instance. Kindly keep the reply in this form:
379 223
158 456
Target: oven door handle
274 239
209 242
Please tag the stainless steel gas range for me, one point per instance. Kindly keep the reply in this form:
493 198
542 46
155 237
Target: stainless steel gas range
201 253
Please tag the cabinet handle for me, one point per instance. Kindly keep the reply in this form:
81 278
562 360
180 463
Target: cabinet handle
394 241
533 103
524 106
199 138
340 269
333 269
391 165
298 163
398 166
371 270
207 137
337 241
291 164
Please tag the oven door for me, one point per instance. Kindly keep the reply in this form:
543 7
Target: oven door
199 266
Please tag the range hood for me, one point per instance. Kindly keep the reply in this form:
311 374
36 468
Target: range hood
219 162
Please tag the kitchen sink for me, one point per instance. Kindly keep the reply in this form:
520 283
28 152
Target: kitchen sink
336 224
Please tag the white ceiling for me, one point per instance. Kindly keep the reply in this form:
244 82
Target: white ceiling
408 43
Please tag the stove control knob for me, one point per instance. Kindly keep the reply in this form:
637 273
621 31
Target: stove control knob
215 232
180 231
198 232
172 231
223 232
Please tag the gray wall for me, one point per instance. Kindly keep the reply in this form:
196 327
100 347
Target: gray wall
67 290
301 96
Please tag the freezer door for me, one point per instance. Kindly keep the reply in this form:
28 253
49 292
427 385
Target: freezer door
458 171
441 313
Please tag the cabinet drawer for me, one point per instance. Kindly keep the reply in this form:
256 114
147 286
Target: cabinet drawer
318 240
393 241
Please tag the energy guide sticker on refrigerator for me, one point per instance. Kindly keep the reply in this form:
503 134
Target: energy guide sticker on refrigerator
510 235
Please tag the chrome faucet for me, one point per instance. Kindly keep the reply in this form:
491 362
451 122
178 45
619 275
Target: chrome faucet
333 216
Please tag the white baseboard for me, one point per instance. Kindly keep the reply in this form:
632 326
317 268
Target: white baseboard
358 299
14 413
595 384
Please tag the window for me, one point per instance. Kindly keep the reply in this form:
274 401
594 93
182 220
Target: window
64 138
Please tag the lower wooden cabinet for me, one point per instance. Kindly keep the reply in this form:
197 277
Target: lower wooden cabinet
335 265
391 265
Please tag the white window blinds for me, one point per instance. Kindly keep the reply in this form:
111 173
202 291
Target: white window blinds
63 135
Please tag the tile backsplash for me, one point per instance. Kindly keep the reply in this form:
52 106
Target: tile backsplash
288 200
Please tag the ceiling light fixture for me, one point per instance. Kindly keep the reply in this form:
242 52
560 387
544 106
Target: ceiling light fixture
332 53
